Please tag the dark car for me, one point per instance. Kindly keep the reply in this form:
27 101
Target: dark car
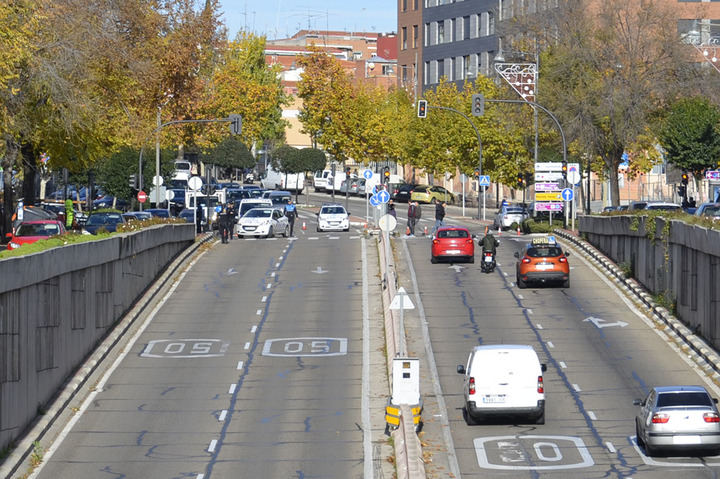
109 221
107 202
402 192
137 215
159 213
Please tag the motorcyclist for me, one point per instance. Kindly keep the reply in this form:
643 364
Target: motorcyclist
489 242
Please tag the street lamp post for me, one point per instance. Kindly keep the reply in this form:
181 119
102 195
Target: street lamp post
156 182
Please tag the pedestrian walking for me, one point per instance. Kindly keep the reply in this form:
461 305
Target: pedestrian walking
291 213
391 209
418 213
411 218
232 218
439 216
224 225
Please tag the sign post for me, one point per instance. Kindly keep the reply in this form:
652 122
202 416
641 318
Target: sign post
567 194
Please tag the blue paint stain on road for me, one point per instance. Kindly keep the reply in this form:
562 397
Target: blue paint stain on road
139 439
115 475
266 420
307 424
283 374
170 389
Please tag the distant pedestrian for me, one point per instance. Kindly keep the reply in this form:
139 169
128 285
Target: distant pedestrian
439 216
411 218
418 213
224 225
291 213
391 209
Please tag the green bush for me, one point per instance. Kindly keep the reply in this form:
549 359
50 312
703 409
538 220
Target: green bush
532 226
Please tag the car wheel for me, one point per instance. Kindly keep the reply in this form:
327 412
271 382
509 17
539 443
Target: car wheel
638 437
472 259
286 232
566 283
541 418
241 237
521 284
318 229
433 259
271 233
433 200
469 420
346 229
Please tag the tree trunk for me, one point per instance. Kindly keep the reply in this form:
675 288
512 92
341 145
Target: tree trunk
614 186
29 174
7 162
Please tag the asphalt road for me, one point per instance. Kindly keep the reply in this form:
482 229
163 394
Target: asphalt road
256 367
596 367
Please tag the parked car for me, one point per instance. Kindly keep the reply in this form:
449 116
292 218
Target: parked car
107 220
708 209
503 380
137 215
678 419
452 243
265 222
659 205
402 192
278 198
250 203
107 202
320 180
159 212
29 232
509 214
637 205
431 194
333 217
542 261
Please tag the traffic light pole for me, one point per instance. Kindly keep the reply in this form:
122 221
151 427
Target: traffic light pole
481 212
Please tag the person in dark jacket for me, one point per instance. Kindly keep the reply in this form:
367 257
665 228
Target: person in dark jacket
412 211
391 209
291 213
439 216
489 243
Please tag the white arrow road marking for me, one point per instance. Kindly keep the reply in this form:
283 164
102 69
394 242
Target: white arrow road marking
319 270
231 272
600 323
456 267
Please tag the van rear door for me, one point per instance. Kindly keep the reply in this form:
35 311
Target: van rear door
506 378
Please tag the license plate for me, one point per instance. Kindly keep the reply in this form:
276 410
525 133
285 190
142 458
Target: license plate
686 439
452 251
488 259
494 398
249 228
544 266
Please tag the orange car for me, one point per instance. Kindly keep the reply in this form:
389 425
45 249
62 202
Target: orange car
542 261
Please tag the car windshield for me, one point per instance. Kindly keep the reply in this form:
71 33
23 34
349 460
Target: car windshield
544 252
182 166
245 207
38 229
258 213
421 189
279 200
452 234
104 219
683 399
333 210
711 211
663 207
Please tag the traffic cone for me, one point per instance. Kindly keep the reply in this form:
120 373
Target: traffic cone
304 227
500 231
407 231
518 230
425 231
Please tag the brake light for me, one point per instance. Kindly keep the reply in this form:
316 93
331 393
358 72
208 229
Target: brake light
469 241
488 254
562 259
540 386
660 418
471 386
711 417
526 260
436 241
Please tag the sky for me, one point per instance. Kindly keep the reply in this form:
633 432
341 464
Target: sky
283 18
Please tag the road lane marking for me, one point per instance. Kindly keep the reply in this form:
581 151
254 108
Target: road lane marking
272 275
232 389
505 273
576 388
563 365
277 265
365 400
269 286
253 329
239 365
200 476
258 312
264 299
247 346
222 415
592 415
530 311
550 344
281 258
539 326
520 296
211 447
311 238
610 447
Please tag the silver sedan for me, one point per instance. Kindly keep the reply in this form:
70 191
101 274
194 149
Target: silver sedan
678 419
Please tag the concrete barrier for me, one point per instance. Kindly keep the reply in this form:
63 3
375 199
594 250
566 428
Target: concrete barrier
679 260
57 305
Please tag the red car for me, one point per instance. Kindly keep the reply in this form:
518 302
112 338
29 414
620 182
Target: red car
31 231
452 242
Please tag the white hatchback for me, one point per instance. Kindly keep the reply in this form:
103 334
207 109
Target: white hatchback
265 222
333 217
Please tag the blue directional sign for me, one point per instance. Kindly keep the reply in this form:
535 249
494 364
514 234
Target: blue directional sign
383 196
374 200
377 188
367 174
218 209
485 180
567 194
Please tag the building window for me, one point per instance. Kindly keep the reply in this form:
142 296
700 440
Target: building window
451 34
415 4
404 73
426 73
404 5
491 23
467 67
440 32
440 70
466 27
427 34
387 70
415 36
404 38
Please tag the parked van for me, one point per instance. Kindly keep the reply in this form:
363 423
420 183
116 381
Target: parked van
183 170
503 380
276 180
278 198
250 203
320 180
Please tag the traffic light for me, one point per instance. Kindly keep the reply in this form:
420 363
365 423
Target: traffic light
521 180
478 104
386 175
476 173
133 182
685 178
564 170
347 173
422 108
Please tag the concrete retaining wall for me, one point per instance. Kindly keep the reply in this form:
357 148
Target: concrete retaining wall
56 306
683 260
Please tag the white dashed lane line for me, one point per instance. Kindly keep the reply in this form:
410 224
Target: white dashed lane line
269 286
222 415
247 346
239 365
576 388
264 298
539 326
213 444
563 365
610 447
232 389
550 344
258 312
592 415
253 329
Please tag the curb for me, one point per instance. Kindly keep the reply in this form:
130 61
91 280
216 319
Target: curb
707 358
92 363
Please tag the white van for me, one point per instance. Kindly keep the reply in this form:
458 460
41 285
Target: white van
249 203
275 180
183 170
320 180
503 380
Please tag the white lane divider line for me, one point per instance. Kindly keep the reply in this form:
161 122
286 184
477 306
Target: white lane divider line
222 415
258 312
281 258
550 344
312 238
200 476
610 447
520 296
539 326
277 265
530 311
272 275
211 447
576 388
269 286
232 389
239 365
247 346
505 273
563 365
253 329
592 416
264 298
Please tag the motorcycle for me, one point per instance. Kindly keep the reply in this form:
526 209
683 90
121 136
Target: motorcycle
487 264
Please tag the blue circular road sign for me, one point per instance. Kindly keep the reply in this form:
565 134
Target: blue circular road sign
367 174
567 194
383 196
